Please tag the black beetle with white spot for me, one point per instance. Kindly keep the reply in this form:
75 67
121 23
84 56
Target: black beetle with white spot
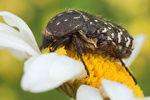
83 32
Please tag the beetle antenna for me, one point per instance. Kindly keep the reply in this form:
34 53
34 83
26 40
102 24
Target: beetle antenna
80 53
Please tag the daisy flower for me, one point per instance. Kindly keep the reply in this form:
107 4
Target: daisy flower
63 69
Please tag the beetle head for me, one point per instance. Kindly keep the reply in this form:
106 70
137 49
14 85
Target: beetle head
48 39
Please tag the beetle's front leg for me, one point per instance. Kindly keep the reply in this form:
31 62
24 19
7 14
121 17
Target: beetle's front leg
79 50
67 38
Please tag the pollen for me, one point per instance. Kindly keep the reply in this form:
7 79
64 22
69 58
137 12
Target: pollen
102 68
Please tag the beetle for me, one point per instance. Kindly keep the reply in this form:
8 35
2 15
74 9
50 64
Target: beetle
83 32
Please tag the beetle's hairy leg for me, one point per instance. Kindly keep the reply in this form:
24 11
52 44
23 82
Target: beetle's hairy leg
59 42
123 64
79 50
128 71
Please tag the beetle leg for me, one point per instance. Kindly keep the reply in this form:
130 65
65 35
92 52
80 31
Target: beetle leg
60 42
123 64
79 50
128 70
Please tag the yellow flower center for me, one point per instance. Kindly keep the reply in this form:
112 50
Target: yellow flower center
102 68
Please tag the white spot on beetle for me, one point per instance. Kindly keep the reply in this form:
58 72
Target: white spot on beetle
104 30
54 31
128 42
66 20
120 47
112 34
125 39
111 24
57 23
108 38
85 18
91 23
98 31
113 43
53 19
69 11
76 17
109 27
105 23
59 14
96 20
133 43
119 38
121 32
77 26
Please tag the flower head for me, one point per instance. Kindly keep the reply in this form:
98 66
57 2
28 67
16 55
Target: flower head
45 71
99 68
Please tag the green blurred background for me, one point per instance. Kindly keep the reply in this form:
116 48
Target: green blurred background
134 15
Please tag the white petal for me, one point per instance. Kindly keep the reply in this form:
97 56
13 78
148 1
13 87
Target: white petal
85 92
139 40
35 78
10 41
27 34
9 30
117 91
18 54
103 93
146 98
66 68
36 72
